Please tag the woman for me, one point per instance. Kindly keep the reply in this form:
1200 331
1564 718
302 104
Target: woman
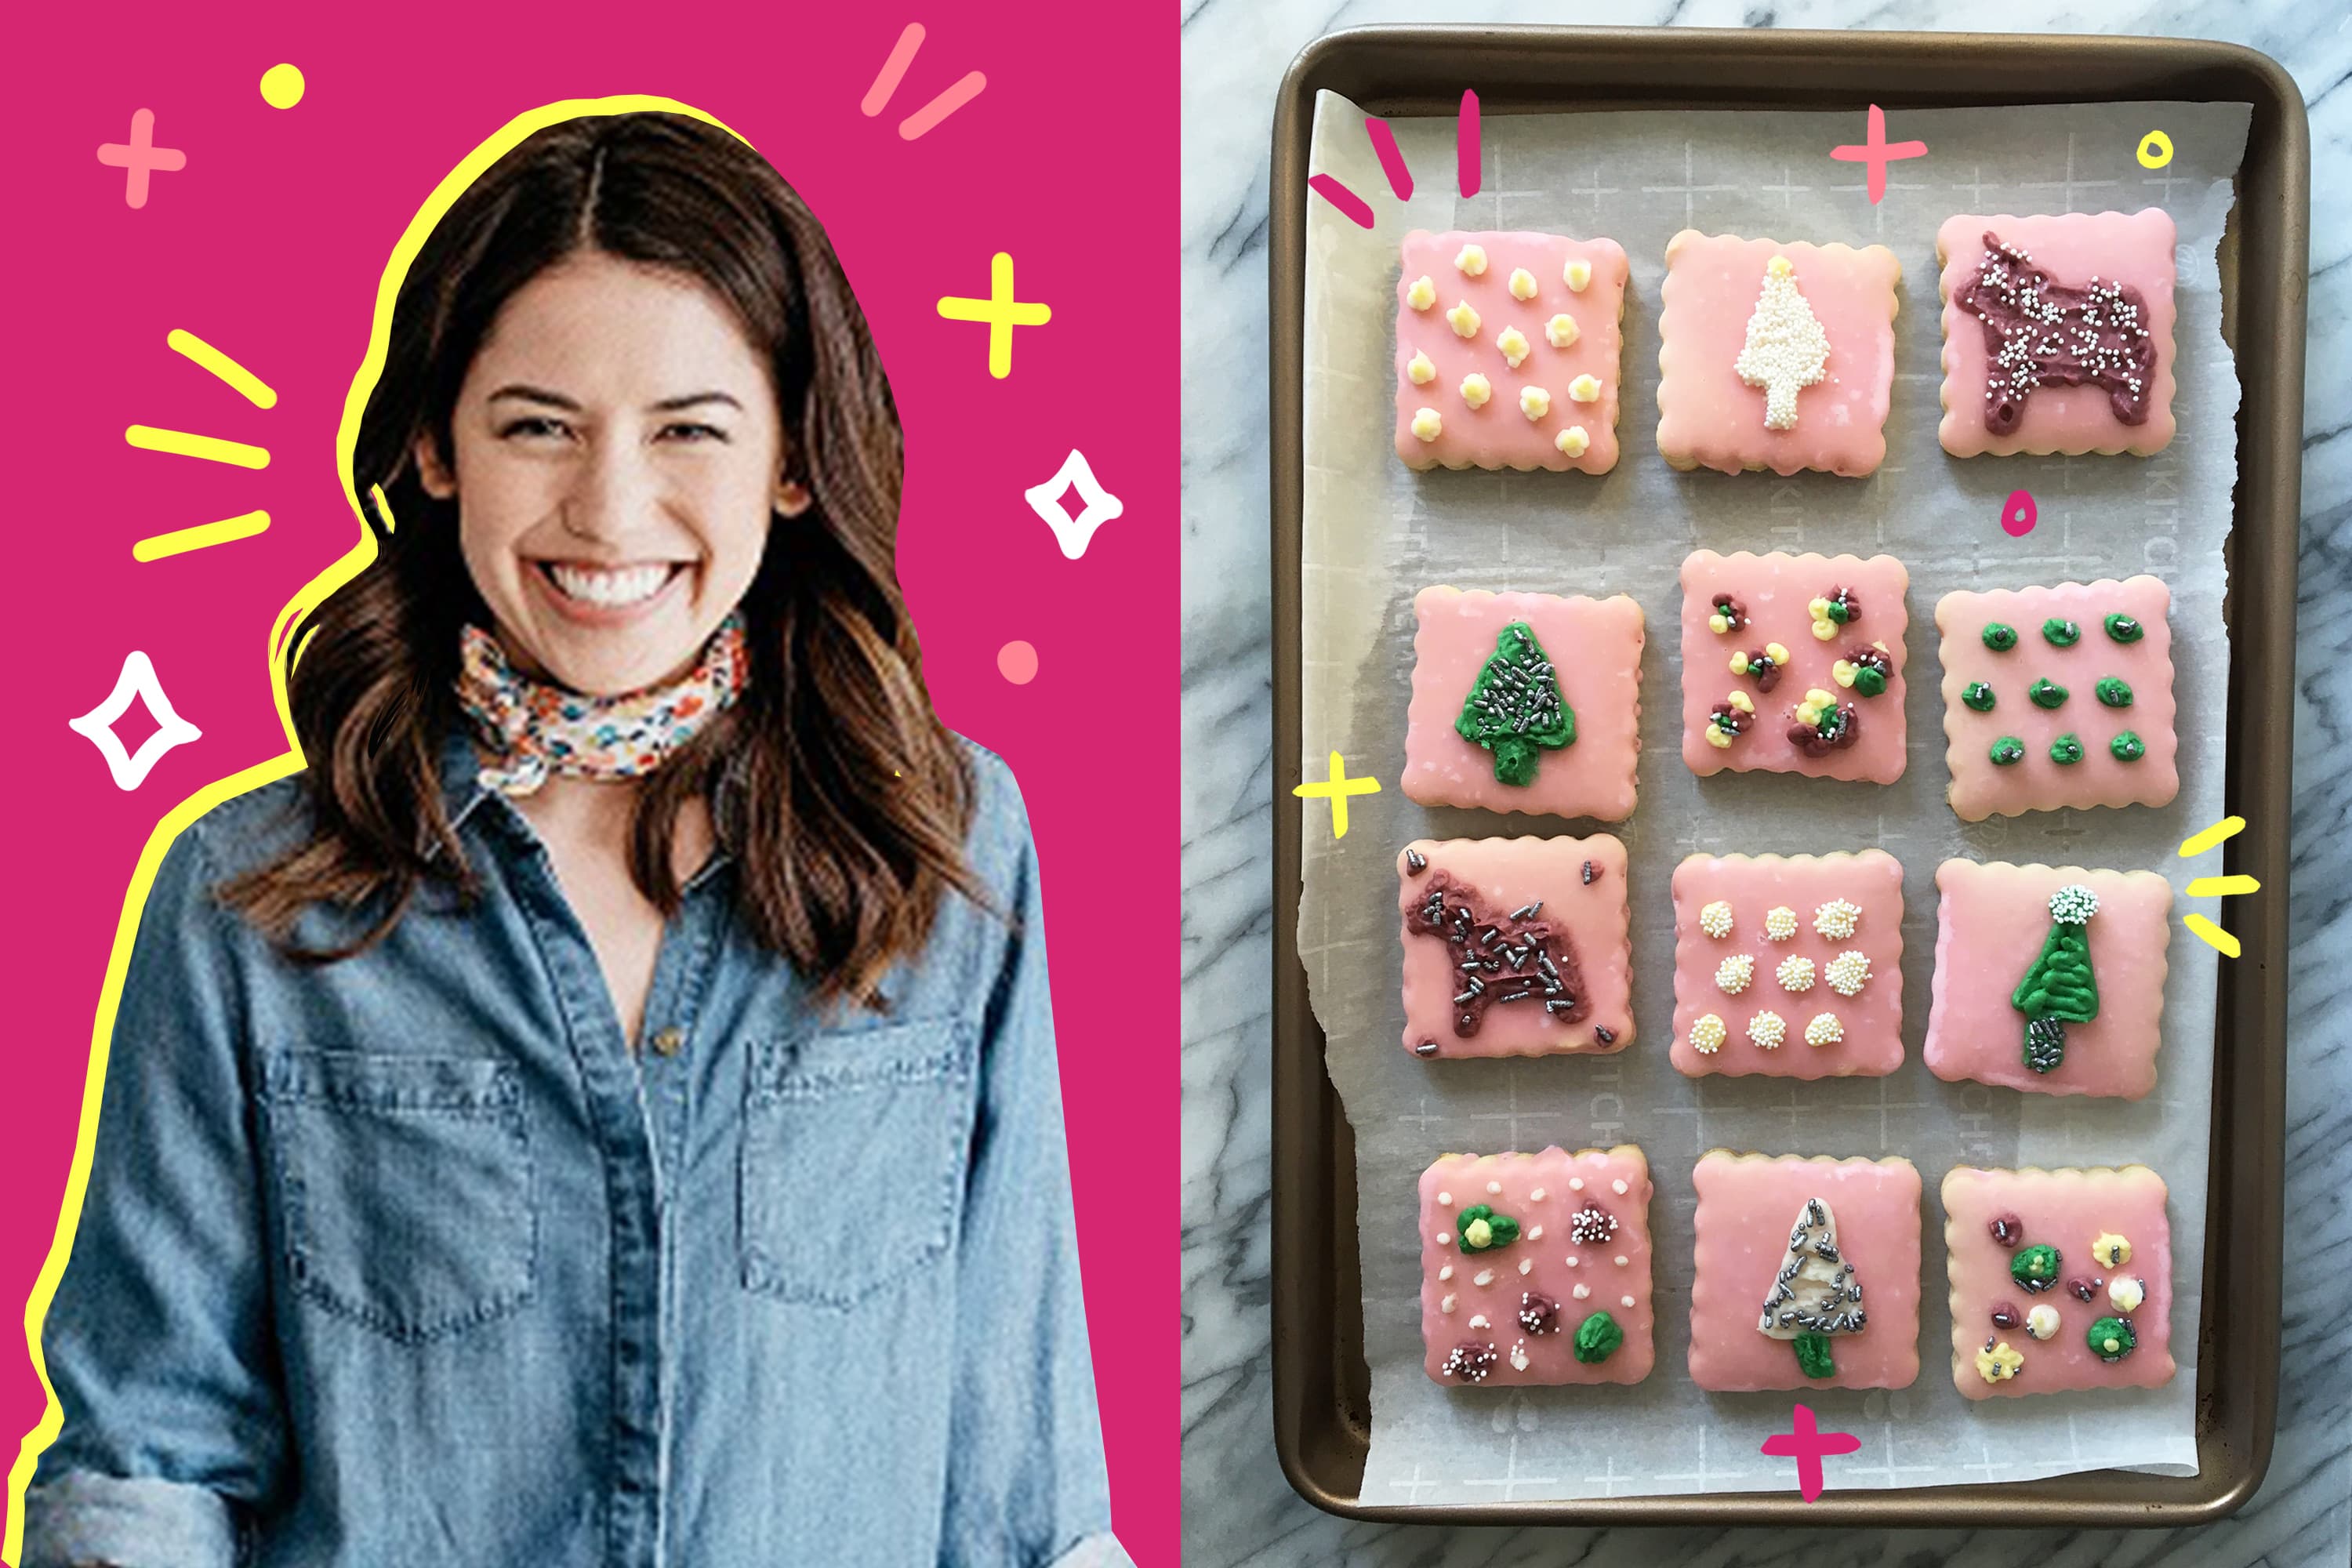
604 1110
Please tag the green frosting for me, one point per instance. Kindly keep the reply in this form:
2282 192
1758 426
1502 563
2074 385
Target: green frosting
2123 629
1814 1356
1978 695
2007 751
2066 750
1483 1230
1596 1338
2060 633
2113 692
2046 693
1999 637
1515 706
1870 681
2112 1339
2059 988
2127 747
2035 1268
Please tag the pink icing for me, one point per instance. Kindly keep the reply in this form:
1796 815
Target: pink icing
1776 590
2135 249
1595 645
1499 435
1989 927
1980 788
1871 880
1708 418
1551 1357
1747 1204
2066 1209
1509 874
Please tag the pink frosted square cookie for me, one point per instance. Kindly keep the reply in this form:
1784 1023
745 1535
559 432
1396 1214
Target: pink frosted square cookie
1506 352
2057 332
1554 706
1788 965
1793 664
1786 1246
1536 1267
1775 355
2049 979
1516 947
2058 696
2060 1280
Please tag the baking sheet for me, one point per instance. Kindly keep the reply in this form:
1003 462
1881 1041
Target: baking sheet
1374 532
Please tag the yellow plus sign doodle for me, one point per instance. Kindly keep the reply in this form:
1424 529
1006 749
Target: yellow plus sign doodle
1337 790
1000 310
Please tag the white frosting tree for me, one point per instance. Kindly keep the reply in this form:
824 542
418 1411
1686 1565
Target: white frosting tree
1786 349
1816 1295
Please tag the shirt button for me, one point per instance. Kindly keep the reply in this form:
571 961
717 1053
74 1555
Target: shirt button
668 1042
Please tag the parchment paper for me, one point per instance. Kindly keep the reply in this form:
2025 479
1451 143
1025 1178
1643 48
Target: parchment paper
1375 533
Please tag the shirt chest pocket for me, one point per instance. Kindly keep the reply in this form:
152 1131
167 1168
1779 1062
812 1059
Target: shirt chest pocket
405 1187
854 1150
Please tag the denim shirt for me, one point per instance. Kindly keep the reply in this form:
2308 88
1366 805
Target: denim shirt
411 1259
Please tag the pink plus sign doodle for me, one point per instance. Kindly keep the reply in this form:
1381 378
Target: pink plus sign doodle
141 156
1877 152
1809 1447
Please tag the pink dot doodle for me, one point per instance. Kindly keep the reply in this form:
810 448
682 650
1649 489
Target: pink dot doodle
2019 514
1017 662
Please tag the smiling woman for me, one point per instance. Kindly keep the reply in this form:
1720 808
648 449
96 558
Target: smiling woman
604 1109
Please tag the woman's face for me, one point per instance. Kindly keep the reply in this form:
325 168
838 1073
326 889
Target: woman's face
618 452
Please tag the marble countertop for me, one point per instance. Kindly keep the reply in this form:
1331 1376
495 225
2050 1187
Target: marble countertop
1238 1508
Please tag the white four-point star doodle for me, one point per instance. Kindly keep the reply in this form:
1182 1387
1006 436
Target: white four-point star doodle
137 679
1074 533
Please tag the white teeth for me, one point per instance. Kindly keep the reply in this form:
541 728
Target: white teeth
627 586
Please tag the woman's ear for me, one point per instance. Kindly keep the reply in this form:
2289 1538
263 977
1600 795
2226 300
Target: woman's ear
431 473
792 497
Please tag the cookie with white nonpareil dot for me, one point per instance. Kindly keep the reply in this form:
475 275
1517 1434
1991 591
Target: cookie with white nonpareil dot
1515 946
2059 697
1775 355
1535 1269
2060 1280
1525 702
1805 1273
2049 978
2057 334
1506 350
1816 940
1794 664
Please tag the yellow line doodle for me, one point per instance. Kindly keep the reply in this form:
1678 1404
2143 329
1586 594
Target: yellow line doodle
257 392
156 547
212 448
2228 827
2222 887
1338 790
342 571
2214 936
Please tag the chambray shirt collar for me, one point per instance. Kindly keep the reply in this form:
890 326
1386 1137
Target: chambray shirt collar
463 792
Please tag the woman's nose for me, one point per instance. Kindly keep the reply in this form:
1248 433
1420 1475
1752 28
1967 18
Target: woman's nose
616 493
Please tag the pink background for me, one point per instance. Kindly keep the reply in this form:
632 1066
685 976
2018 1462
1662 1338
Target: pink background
269 246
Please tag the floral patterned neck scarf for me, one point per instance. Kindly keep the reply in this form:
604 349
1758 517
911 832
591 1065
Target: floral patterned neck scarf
536 729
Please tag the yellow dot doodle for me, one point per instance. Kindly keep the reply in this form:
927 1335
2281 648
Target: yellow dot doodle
281 86
1337 790
2155 150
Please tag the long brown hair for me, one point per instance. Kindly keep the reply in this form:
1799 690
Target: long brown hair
847 803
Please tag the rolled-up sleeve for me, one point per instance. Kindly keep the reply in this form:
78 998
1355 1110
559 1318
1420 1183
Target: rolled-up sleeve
1026 1487
157 1342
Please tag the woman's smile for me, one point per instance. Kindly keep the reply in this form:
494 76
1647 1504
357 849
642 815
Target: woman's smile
602 595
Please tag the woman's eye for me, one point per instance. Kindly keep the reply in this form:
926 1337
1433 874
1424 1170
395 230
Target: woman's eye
532 426
694 433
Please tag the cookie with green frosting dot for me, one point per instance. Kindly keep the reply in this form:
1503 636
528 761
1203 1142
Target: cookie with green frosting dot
2046 693
2127 747
2111 1339
1978 695
1597 1339
2035 1268
2114 691
2066 749
2007 752
1999 637
2123 628
2059 632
